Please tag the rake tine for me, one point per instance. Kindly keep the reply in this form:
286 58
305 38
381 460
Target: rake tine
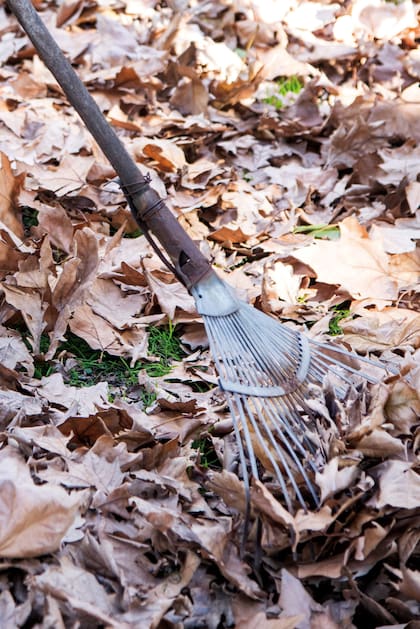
268 453
344 352
287 442
245 478
282 458
342 376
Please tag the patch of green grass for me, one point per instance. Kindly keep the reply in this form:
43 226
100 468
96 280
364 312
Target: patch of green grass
331 232
95 366
285 85
342 312
208 456
164 343
29 218
135 234
147 397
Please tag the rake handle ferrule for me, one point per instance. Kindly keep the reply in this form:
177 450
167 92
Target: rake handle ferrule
190 264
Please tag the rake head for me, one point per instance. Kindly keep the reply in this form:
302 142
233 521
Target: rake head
266 370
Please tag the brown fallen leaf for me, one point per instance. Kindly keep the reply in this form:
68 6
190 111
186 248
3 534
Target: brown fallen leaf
250 614
77 587
33 518
13 351
167 155
30 304
399 486
380 329
83 401
170 293
331 480
354 262
55 222
295 600
101 335
9 190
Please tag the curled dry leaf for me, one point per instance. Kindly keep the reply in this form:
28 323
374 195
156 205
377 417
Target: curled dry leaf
171 295
82 401
78 587
10 185
13 351
33 518
168 156
100 334
331 480
399 486
295 601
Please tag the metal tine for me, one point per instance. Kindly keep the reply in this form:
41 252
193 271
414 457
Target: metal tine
230 339
251 376
279 453
274 348
239 442
328 366
348 354
280 419
235 328
299 426
324 367
288 447
254 340
245 477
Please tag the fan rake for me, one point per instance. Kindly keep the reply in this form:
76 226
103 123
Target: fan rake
266 368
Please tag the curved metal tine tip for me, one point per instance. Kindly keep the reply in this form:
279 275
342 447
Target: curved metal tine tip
324 351
254 420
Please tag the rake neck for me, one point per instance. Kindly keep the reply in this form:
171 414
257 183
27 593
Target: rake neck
147 207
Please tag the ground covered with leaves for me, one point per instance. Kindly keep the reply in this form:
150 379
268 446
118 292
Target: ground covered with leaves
285 137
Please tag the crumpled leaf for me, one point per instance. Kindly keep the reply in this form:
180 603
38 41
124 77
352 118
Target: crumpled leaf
399 486
33 518
331 480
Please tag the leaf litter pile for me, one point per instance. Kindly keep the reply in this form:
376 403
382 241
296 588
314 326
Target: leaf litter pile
286 137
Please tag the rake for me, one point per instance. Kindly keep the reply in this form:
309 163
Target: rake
266 369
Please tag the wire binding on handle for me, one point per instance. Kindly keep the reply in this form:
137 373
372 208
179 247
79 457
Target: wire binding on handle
136 188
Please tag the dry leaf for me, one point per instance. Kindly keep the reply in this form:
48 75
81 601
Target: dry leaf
331 480
399 486
33 518
354 262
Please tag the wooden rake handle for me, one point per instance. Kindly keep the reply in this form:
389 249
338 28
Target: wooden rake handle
147 207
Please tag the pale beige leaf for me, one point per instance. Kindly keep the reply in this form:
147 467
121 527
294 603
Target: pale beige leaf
171 294
296 601
83 401
9 188
331 480
33 518
13 351
354 262
399 486
382 329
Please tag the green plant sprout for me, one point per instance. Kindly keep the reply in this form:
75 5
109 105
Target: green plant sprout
285 85
208 456
342 312
331 232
